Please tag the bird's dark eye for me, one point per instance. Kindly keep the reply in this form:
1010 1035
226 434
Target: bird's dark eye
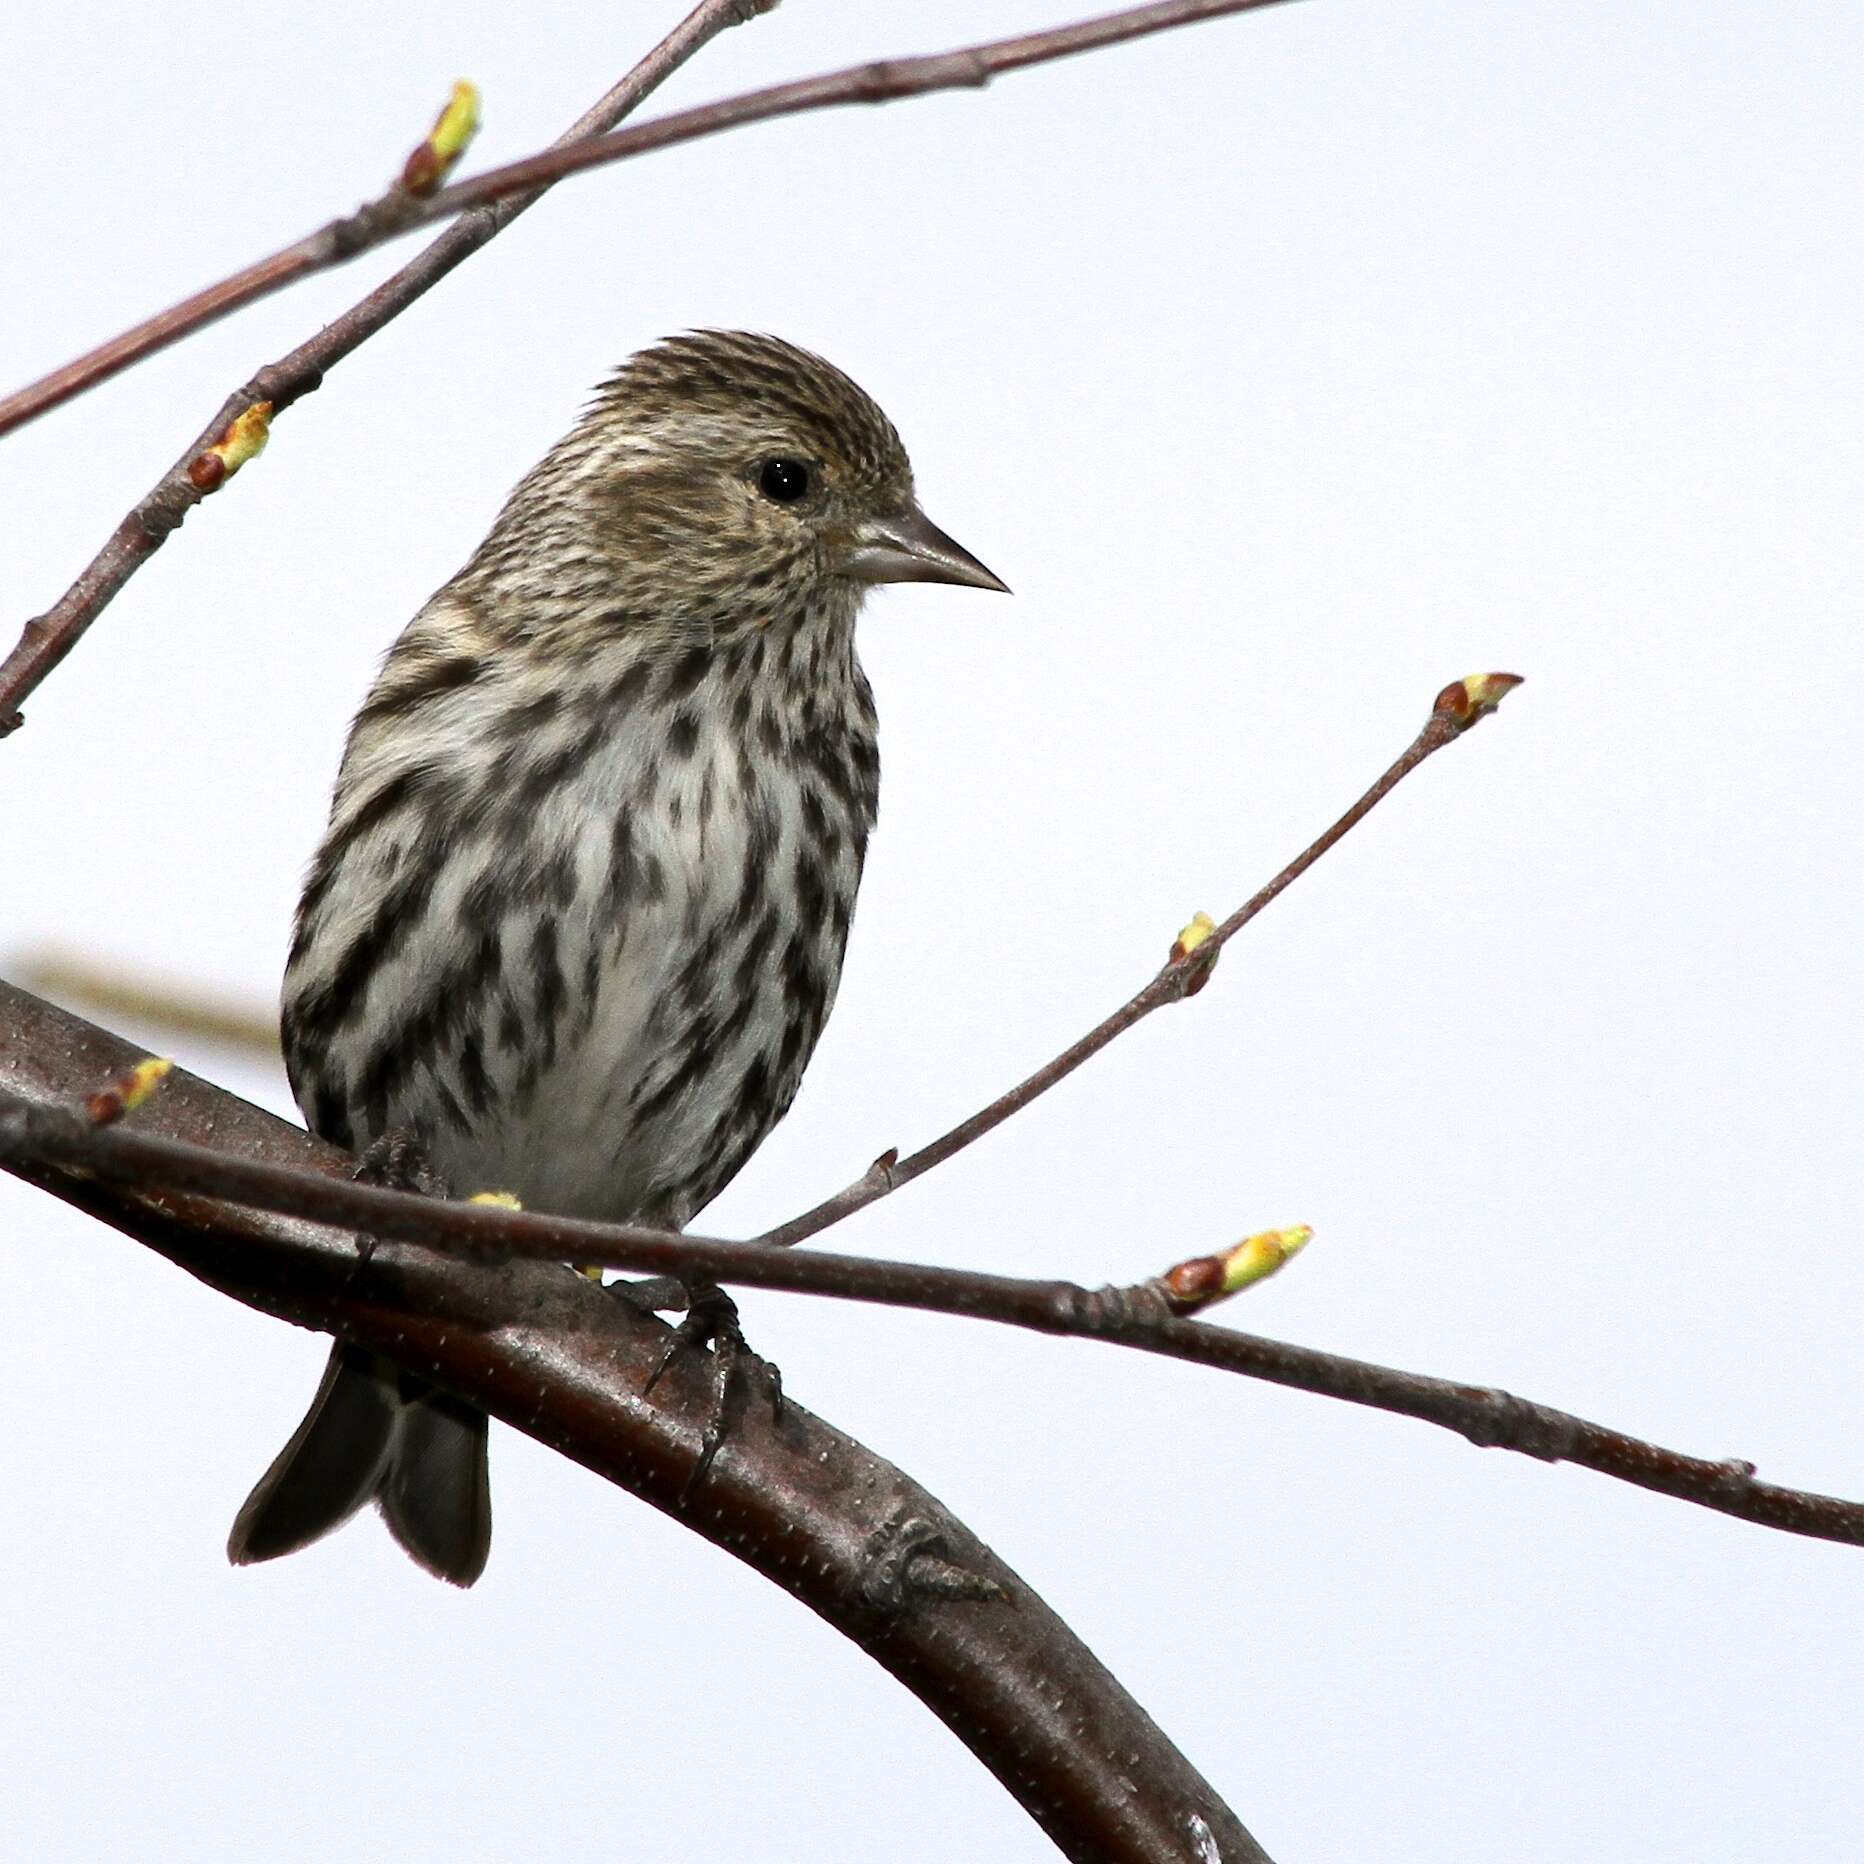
783 480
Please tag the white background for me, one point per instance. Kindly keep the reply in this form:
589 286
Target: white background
1287 368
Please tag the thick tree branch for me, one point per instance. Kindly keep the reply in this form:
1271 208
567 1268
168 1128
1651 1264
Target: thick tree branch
565 1362
499 193
44 1054
48 638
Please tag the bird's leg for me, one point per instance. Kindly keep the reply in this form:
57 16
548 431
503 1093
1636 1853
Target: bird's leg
711 1319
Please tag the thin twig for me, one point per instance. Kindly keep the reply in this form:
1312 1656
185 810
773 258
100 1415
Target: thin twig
1452 714
35 1135
398 212
48 638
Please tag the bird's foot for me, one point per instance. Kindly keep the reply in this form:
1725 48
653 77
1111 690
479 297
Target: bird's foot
711 1319
397 1161
655 1294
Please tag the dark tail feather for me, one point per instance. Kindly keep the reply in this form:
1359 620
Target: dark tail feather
436 1495
375 1434
331 1466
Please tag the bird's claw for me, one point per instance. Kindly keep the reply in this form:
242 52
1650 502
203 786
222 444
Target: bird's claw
711 1319
397 1161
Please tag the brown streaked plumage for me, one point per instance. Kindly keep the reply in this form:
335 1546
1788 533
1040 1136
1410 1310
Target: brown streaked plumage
579 914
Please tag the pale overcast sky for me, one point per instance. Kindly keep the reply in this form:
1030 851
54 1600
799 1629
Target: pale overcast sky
1286 368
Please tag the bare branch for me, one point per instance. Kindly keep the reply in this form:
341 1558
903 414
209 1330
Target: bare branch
401 210
43 1052
1183 974
48 638
565 1362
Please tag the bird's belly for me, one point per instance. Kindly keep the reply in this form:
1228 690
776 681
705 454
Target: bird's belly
629 1113
652 1016
557 1131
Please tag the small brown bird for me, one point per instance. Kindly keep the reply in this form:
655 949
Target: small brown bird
579 913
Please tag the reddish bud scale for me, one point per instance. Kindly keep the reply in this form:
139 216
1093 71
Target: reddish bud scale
422 172
1191 1284
207 472
1200 973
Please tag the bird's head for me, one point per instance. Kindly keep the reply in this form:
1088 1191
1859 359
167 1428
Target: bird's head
725 480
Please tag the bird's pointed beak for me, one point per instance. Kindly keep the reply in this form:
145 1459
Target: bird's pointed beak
906 546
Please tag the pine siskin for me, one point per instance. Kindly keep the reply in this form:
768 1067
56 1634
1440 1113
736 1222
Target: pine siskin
579 913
